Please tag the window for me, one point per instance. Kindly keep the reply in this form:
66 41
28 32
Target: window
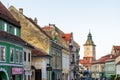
10 29
12 54
5 26
0 25
15 31
24 56
2 53
29 57
21 55
17 53
73 57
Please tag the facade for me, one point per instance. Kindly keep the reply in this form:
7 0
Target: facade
27 62
56 61
97 69
33 34
89 52
109 68
117 63
64 39
65 65
40 64
74 55
55 52
118 68
65 54
110 65
30 28
11 47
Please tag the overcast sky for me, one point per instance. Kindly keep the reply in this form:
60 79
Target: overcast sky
102 17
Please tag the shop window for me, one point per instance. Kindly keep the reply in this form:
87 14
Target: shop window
12 54
2 53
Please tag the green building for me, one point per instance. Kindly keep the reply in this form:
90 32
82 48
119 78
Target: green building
11 47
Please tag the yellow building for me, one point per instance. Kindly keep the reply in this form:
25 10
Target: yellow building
32 33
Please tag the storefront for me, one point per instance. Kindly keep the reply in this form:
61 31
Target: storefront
17 73
28 74
3 74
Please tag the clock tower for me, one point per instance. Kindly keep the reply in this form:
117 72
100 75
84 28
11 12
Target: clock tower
89 52
89 49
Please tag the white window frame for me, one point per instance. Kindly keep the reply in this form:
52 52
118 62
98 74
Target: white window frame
21 58
17 55
25 54
5 26
13 54
29 57
15 31
4 54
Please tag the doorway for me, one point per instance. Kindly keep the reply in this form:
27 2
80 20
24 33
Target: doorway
53 76
3 76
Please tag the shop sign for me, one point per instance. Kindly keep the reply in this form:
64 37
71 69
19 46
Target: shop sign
28 73
17 70
49 68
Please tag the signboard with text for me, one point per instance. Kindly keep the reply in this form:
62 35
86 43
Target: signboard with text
17 70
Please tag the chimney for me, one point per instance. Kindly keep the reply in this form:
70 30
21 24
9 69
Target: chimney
21 10
35 20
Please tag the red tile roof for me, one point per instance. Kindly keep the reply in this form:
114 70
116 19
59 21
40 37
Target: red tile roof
105 58
67 36
7 16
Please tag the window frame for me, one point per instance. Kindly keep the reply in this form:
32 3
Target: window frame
1 24
15 31
5 27
4 54
13 54
25 53
29 57
17 55
21 57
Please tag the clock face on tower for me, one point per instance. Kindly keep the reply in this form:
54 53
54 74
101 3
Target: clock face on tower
87 48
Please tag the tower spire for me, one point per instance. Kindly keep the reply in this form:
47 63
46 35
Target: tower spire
89 40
